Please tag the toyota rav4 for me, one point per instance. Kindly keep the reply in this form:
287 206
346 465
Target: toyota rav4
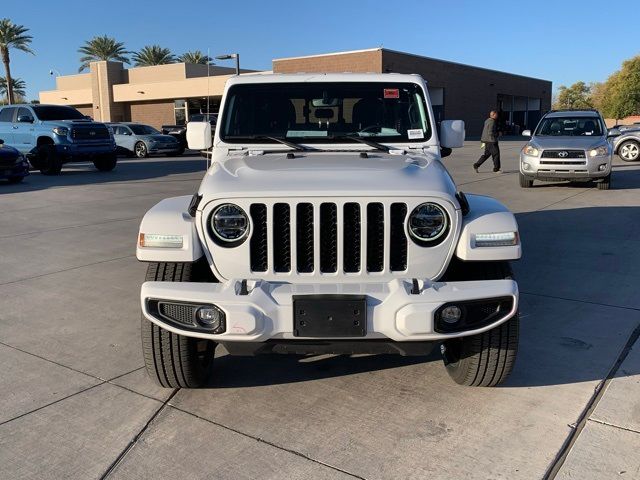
328 224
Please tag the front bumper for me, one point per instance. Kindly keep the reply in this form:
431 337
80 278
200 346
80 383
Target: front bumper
265 311
165 149
19 169
76 152
571 169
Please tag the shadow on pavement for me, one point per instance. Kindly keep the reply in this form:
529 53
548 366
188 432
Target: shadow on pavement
127 170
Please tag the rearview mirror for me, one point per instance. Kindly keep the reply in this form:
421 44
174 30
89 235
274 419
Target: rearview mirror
452 133
526 133
199 135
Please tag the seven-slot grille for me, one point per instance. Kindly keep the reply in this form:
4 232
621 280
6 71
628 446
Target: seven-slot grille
563 154
90 132
329 238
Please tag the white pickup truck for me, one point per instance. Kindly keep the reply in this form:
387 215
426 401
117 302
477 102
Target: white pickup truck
327 223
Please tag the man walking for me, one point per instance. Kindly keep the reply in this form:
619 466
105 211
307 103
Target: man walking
490 140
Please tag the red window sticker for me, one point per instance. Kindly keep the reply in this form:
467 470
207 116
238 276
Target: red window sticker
391 93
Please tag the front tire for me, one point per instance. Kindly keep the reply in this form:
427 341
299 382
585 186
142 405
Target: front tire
525 182
48 161
629 151
172 360
106 163
140 150
485 359
605 184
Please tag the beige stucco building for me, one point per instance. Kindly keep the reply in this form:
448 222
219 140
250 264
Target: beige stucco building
169 94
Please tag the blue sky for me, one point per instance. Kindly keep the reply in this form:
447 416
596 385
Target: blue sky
561 41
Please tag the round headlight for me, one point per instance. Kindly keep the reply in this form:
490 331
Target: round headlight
428 223
229 223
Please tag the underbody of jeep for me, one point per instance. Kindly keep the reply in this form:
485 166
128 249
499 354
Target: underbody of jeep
327 223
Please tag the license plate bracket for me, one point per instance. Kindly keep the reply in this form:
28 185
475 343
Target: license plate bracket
329 316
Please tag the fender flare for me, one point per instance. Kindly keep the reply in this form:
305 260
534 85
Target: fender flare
486 215
170 217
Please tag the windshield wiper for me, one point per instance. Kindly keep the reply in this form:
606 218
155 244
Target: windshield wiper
366 141
281 140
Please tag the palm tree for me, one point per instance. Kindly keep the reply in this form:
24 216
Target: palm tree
12 36
102 48
195 56
153 55
18 87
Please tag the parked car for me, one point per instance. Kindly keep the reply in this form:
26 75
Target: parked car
626 143
13 165
567 145
327 223
180 131
51 135
143 140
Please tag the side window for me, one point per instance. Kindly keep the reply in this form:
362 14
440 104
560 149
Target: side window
6 114
24 112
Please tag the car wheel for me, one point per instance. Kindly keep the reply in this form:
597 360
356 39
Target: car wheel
15 179
140 150
172 360
106 163
605 184
49 162
485 359
629 151
525 182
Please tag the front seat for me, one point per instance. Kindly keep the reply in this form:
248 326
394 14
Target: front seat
367 112
555 128
589 127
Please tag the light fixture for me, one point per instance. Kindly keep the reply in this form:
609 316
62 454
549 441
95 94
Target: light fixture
140 91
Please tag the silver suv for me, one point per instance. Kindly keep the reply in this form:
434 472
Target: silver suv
567 145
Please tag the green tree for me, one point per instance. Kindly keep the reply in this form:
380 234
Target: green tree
195 56
12 36
153 55
623 91
102 48
18 87
576 96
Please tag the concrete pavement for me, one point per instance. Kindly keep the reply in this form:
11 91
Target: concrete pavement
77 403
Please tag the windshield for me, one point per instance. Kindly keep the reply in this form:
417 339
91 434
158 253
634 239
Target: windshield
570 127
143 130
318 112
55 112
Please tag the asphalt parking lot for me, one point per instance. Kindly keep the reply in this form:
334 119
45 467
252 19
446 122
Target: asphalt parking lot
76 402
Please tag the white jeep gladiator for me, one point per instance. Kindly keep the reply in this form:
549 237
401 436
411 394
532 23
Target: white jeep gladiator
327 223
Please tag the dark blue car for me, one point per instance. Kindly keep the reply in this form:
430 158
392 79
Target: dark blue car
13 166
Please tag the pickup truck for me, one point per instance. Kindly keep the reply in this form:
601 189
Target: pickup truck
180 131
51 135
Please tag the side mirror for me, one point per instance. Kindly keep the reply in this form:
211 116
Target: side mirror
1 141
613 132
526 133
199 135
25 119
452 133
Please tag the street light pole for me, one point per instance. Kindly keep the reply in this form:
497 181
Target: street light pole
229 57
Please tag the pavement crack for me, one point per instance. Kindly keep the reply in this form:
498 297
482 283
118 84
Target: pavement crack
267 442
579 301
613 425
66 270
598 392
135 439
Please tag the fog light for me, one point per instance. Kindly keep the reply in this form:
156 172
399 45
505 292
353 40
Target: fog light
526 166
602 167
210 317
451 314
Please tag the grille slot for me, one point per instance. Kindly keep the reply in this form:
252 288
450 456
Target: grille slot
281 238
398 239
375 237
560 154
304 240
259 243
351 243
328 238
179 313
562 162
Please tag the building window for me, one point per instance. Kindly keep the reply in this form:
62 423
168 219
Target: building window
180 111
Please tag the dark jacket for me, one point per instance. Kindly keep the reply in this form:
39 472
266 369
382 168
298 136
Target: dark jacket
490 131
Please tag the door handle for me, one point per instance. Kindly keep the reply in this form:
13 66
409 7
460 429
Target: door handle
15 127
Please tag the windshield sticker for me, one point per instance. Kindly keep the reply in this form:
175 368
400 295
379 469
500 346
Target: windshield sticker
391 93
415 133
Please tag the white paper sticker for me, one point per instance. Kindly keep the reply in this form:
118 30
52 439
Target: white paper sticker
415 133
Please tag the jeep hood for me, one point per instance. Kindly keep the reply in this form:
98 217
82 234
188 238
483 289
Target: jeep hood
326 174
578 143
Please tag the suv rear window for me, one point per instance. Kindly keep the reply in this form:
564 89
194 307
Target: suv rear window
570 127
6 114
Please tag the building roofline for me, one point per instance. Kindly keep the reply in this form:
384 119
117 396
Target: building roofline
346 52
